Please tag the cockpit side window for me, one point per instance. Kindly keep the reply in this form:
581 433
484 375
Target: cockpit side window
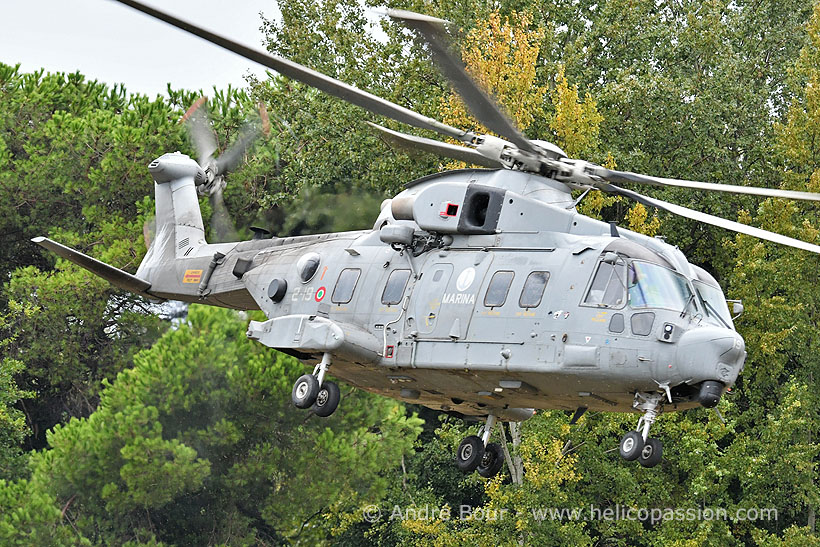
653 286
715 303
608 289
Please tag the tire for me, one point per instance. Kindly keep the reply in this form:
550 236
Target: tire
469 454
491 462
327 400
305 391
631 446
651 453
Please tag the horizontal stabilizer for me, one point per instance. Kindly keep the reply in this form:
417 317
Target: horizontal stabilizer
115 276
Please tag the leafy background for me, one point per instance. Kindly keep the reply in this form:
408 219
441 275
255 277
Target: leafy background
121 426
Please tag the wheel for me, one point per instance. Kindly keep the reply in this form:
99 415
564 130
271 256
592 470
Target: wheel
327 400
651 453
631 445
491 461
469 454
305 391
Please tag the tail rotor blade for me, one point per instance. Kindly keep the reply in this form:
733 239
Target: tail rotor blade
222 226
198 122
149 230
233 156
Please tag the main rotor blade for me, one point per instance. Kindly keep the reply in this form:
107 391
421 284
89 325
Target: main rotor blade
485 109
626 176
710 219
297 72
444 149
198 122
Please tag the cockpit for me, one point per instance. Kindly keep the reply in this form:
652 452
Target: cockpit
647 281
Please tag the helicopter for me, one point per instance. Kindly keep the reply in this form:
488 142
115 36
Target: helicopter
481 292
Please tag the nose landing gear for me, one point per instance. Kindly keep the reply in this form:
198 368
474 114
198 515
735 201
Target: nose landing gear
478 454
313 391
637 445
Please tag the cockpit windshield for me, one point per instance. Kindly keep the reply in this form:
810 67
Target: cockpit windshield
715 303
653 286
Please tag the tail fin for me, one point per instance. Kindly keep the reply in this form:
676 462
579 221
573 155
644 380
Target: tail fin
179 227
180 232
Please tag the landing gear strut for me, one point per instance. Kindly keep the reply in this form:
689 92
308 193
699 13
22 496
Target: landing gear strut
637 445
479 454
311 390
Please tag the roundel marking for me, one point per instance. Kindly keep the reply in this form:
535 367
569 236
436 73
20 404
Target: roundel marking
465 279
320 293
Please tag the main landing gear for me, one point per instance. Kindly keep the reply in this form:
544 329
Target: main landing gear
637 445
313 391
479 454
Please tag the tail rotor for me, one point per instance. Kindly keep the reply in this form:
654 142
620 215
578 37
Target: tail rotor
198 122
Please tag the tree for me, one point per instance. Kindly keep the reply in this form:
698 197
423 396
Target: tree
73 155
199 444
12 421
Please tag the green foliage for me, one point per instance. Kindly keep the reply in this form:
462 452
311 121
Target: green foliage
193 441
74 155
12 421
36 521
199 444
690 91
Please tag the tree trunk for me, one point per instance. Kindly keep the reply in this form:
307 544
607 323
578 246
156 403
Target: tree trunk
514 463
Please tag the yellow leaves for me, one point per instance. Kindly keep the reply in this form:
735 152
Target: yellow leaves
501 55
432 527
639 221
799 136
576 123
546 467
594 203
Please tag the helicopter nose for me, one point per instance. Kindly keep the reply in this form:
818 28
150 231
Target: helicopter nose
711 354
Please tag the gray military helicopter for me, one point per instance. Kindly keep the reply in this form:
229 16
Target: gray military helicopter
480 292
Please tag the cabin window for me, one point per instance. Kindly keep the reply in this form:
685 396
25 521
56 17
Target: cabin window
394 289
608 289
498 289
533 290
343 292
307 265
